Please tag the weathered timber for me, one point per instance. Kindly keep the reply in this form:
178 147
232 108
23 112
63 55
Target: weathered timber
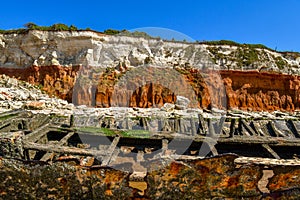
232 127
62 149
211 129
37 134
110 151
63 141
271 151
276 131
248 128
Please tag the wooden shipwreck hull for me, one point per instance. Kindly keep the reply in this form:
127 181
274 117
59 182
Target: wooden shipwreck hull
222 156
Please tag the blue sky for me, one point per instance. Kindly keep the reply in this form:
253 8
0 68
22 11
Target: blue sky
274 23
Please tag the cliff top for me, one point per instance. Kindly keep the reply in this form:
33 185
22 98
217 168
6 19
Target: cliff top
62 27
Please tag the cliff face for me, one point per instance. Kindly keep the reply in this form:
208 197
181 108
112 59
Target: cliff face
46 48
99 70
261 91
55 80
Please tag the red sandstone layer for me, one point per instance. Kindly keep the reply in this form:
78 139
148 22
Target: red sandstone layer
55 80
249 90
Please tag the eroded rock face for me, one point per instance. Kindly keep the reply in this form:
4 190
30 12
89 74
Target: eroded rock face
208 178
55 80
143 87
261 91
147 87
217 177
46 48
61 180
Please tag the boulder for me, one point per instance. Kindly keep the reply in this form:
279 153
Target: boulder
168 107
182 103
35 105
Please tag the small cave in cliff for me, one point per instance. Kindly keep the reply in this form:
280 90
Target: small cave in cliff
151 96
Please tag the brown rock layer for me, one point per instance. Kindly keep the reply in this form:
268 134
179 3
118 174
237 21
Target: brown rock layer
55 80
142 87
152 87
210 178
261 91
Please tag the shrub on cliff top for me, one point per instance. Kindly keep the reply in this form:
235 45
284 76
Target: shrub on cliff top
32 26
232 43
111 32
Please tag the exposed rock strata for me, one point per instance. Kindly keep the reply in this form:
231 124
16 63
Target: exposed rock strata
55 80
261 91
46 48
217 177
38 57
246 90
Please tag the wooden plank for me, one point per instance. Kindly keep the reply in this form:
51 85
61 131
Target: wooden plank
37 134
232 127
213 149
62 149
248 128
193 127
271 151
63 141
202 129
47 156
257 129
211 129
110 151
276 131
220 125
294 128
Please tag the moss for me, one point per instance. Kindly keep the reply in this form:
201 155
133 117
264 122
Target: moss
111 132
5 117
136 133
89 129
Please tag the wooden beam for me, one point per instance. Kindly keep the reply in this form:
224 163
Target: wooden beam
294 128
232 127
220 125
62 149
202 129
211 129
276 131
110 151
271 151
63 141
248 128
213 149
193 127
37 134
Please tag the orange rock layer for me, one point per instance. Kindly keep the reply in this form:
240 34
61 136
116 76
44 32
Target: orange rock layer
55 80
247 90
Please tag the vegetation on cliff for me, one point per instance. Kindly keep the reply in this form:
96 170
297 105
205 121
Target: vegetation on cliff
33 26
63 27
